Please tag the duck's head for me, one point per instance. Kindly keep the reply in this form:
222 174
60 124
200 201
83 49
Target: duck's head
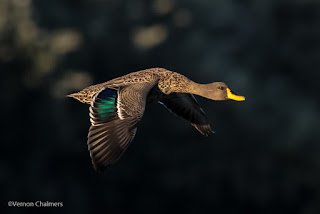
219 91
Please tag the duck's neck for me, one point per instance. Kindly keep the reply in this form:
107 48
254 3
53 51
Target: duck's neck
177 83
188 86
198 89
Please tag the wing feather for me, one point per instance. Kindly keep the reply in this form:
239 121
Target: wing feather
114 114
187 107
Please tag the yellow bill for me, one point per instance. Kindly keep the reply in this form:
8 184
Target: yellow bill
232 96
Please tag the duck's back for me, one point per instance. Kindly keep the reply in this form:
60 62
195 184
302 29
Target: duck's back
152 75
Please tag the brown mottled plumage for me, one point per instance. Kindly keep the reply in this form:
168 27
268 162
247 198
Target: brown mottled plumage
116 107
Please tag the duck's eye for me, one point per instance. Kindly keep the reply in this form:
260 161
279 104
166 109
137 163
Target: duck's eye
220 87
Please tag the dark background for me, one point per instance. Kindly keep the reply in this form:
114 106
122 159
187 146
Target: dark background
265 155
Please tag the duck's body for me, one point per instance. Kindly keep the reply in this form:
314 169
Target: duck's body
116 107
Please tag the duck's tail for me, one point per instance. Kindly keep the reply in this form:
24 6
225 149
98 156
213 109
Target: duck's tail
80 96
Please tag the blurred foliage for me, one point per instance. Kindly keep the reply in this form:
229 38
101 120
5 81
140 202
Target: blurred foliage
264 157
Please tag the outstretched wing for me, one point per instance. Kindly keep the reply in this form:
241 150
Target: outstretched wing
108 135
187 107
114 114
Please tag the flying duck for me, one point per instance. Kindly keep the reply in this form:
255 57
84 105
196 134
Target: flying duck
116 106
